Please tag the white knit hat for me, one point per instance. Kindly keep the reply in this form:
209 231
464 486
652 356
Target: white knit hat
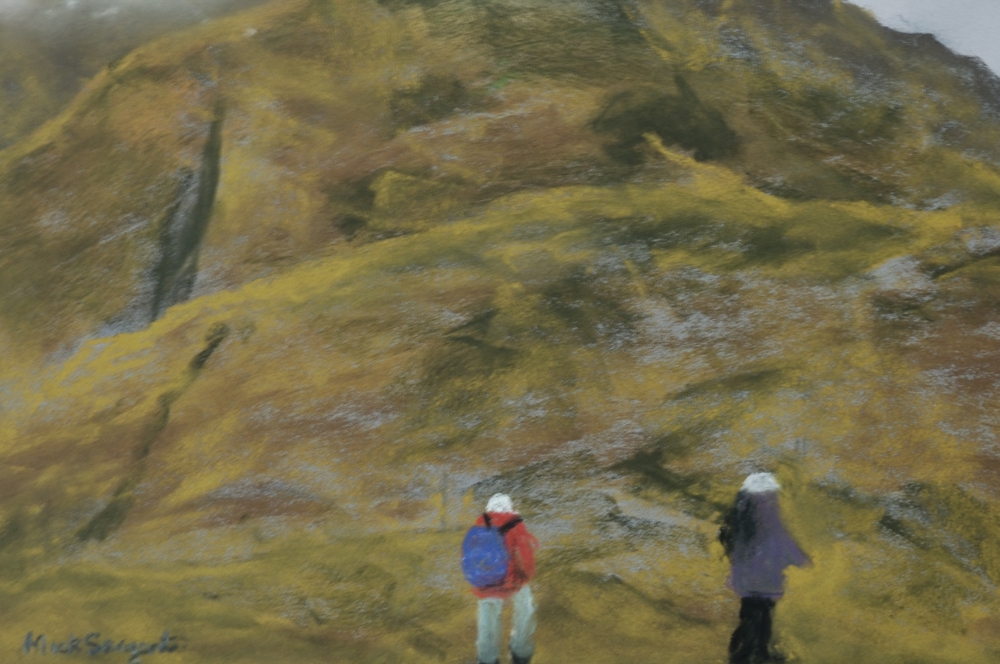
760 483
500 502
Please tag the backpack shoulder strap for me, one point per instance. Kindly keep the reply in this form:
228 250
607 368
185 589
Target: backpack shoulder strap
486 518
506 528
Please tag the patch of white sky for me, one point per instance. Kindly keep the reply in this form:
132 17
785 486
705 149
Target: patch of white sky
969 27
101 7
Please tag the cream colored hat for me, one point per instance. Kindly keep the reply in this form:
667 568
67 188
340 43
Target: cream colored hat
500 502
760 483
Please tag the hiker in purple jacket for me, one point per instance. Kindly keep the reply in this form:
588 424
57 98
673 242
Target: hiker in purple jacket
759 549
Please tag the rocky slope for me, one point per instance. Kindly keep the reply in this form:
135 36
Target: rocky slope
286 296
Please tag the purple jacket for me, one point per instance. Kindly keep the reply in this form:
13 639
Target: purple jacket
759 546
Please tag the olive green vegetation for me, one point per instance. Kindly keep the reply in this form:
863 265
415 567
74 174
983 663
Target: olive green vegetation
288 295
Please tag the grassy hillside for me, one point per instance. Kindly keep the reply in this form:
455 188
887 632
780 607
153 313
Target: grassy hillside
361 121
287 297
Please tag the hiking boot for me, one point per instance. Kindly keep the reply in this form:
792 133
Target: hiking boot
519 660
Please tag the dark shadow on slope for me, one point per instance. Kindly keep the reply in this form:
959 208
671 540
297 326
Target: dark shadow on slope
435 98
680 119
402 4
13 530
944 521
112 516
457 381
479 324
690 229
969 246
586 310
351 205
691 489
538 484
698 232
652 465
765 379
661 605
772 245
122 501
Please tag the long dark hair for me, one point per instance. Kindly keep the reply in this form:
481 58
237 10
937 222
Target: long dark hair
738 524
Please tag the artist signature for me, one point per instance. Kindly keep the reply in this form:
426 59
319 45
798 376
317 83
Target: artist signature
91 644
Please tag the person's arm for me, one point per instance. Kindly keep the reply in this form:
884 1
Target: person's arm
796 556
726 534
523 545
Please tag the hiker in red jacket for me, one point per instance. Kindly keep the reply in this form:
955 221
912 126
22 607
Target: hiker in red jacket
520 546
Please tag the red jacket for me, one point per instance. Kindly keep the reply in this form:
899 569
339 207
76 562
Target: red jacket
521 546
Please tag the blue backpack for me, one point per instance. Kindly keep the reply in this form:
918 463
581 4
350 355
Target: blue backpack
484 553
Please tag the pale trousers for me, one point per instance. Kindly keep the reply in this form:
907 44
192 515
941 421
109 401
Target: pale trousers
522 633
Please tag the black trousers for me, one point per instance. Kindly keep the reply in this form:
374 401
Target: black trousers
750 641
